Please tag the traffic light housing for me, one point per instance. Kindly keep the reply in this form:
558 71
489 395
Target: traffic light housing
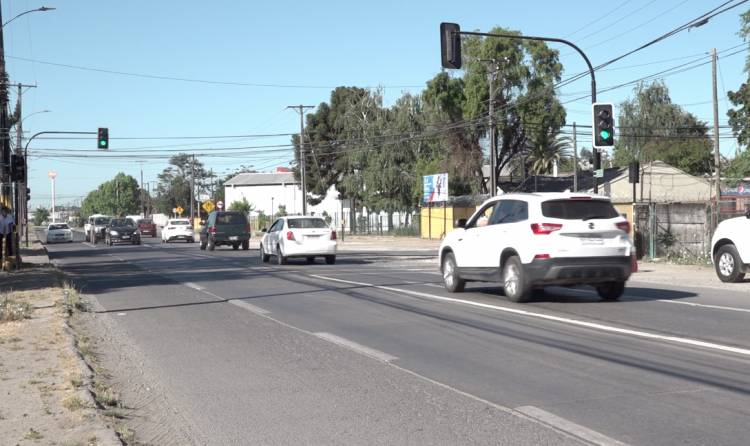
634 169
17 168
450 45
603 125
102 140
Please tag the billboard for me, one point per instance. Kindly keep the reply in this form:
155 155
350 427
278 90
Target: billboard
435 188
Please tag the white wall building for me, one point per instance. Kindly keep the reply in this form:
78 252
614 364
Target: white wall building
267 191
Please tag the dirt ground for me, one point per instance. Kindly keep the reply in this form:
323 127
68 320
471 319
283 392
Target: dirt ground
44 396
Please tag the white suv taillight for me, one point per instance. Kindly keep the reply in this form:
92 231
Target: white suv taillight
623 226
545 228
290 235
333 235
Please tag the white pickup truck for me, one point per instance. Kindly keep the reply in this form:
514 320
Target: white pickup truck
730 248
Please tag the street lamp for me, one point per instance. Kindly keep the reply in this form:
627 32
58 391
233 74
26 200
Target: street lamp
35 113
42 9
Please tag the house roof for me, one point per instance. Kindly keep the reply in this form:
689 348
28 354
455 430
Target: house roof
261 179
544 183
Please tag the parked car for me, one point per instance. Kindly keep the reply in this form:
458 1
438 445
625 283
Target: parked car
146 226
528 241
59 232
97 228
122 230
305 237
225 228
730 248
178 229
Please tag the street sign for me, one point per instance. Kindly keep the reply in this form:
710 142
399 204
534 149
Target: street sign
208 206
179 210
599 173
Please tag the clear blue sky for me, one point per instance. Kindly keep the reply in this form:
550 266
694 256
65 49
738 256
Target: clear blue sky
300 47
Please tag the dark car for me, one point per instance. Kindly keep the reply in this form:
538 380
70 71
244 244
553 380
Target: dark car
122 230
225 228
146 226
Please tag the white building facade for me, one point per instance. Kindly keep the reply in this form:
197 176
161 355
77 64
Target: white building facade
267 191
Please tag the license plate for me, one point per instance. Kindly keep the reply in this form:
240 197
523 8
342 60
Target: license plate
592 241
233 237
125 237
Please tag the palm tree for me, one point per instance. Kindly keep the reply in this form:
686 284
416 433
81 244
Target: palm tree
545 150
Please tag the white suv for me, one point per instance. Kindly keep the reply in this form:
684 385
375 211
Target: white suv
730 248
528 241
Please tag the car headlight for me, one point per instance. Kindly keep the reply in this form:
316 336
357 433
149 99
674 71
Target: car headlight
113 233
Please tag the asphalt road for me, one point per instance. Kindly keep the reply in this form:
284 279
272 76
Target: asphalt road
373 350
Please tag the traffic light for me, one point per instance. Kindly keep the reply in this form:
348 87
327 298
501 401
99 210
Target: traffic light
634 170
17 168
450 45
604 125
102 140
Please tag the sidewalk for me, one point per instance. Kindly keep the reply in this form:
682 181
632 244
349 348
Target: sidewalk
43 380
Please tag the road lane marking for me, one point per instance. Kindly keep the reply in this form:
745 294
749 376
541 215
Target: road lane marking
569 427
194 286
371 352
249 307
564 320
715 307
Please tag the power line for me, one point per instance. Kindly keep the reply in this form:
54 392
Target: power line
193 80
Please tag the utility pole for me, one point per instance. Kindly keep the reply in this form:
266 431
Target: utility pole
575 159
20 204
302 168
192 189
717 154
493 137
4 129
143 198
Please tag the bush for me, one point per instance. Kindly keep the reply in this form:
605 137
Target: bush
11 310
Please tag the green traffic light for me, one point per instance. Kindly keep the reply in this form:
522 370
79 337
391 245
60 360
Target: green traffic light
605 134
102 143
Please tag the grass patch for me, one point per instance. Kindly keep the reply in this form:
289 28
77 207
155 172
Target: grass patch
13 310
33 435
76 381
125 433
105 395
73 300
73 403
114 413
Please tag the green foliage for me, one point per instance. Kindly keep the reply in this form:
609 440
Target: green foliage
174 188
119 196
546 150
738 168
281 211
243 206
40 216
652 128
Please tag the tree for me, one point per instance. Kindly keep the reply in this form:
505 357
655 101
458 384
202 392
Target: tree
524 96
40 216
174 183
545 150
739 117
243 206
653 128
119 196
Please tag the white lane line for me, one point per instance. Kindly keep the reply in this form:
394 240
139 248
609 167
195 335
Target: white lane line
249 307
564 320
371 352
194 286
88 244
569 427
715 307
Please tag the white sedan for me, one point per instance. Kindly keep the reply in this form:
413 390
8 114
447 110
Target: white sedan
178 229
59 232
303 237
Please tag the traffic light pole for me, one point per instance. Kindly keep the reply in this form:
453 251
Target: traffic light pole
26 173
493 162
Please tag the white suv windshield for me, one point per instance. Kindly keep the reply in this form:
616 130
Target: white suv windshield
578 209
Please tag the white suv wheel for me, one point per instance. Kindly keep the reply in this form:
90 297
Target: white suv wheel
726 264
